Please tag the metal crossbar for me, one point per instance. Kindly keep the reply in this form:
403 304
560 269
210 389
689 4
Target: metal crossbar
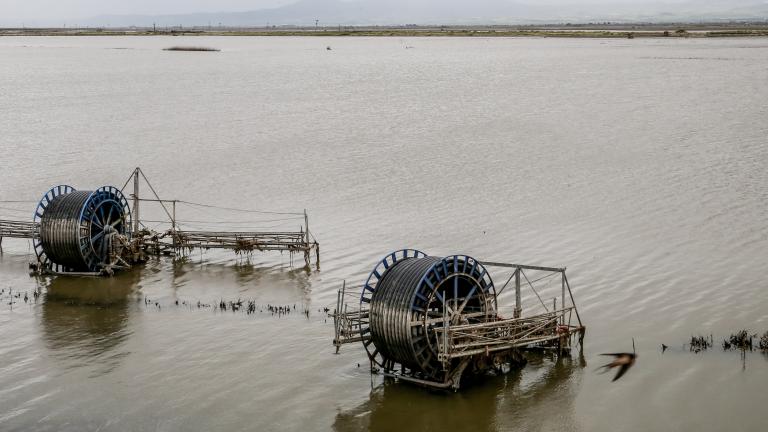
463 340
288 241
19 229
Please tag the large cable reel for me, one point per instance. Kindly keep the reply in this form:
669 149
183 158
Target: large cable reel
410 295
81 231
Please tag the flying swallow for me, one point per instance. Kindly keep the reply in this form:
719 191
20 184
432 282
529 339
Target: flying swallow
623 361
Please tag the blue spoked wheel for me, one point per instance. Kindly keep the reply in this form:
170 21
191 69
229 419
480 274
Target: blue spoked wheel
457 288
378 272
105 214
42 205
369 287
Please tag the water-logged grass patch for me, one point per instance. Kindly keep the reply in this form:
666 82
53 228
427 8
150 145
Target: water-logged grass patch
763 345
740 340
700 343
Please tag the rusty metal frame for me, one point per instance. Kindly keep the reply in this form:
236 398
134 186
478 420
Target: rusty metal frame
552 329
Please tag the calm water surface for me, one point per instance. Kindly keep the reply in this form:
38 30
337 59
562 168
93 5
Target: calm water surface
641 165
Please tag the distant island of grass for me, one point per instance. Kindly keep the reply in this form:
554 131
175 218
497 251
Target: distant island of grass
605 30
190 48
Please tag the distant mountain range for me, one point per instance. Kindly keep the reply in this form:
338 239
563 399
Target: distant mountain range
430 12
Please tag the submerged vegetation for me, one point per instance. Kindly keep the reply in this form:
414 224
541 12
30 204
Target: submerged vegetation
740 340
11 297
743 340
764 342
701 343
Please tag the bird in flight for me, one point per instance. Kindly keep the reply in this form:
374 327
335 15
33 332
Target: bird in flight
623 361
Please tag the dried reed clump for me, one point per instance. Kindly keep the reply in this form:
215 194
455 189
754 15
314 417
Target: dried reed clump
764 342
700 343
740 340
248 306
191 48
244 246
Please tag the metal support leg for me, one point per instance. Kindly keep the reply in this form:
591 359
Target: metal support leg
518 307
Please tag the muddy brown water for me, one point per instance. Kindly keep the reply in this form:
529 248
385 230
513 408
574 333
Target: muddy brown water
640 165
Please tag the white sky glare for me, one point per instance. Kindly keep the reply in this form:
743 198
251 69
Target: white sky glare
61 9
69 10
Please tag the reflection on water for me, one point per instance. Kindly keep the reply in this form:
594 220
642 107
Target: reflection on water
546 401
253 281
179 271
537 397
85 319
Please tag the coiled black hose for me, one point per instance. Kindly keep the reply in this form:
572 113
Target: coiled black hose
60 230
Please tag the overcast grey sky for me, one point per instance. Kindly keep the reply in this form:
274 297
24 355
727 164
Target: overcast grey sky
73 9
68 10
61 9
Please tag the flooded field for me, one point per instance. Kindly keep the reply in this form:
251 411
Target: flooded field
641 165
